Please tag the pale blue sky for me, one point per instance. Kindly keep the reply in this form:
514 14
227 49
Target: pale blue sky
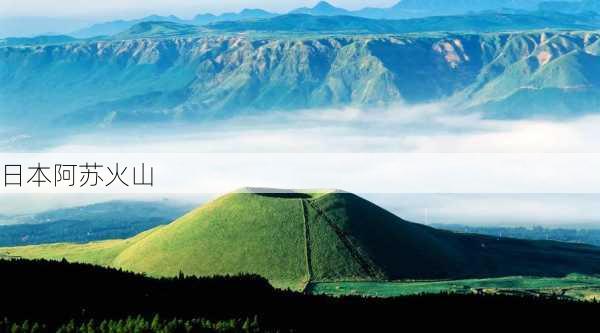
134 8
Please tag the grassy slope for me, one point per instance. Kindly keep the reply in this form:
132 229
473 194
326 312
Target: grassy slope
99 253
407 250
566 84
399 248
330 259
236 233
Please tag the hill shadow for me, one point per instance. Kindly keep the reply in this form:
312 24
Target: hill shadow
286 195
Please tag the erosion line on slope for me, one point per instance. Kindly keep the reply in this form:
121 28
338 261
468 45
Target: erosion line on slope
366 265
307 242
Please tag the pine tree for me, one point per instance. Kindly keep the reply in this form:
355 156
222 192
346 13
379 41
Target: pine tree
15 328
26 326
36 328
70 328
155 326
103 328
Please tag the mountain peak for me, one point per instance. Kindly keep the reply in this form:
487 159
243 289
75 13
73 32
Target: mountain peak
322 8
324 5
253 11
397 5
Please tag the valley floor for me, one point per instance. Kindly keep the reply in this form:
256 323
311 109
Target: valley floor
574 286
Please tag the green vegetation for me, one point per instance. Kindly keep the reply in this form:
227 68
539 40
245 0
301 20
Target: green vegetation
298 238
136 324
224 74
235 233
94 298
98 253
574 286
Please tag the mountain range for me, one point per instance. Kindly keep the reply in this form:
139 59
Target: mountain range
81 28
160 71
481 22
420 8
402 10
115 27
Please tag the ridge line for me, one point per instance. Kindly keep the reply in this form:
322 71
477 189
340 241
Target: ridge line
306 242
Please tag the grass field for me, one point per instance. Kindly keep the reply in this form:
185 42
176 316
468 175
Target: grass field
573 286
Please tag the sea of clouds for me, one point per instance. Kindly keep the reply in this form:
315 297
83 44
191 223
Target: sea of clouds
424 129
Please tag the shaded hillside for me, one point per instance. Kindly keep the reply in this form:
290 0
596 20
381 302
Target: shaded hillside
296 239
556 77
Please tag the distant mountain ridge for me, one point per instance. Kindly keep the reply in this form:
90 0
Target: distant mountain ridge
39 40
401 10
107 220
115 27
481 22
322 8
32 26
160 29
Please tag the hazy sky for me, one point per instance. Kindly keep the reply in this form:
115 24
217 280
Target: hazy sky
184 8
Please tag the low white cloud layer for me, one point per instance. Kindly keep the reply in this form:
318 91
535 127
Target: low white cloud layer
422 129
400 129
570 210
553 210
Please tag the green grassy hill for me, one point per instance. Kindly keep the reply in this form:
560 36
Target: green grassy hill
294 239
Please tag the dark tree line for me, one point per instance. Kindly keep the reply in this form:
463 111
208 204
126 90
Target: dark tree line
137 324
52 294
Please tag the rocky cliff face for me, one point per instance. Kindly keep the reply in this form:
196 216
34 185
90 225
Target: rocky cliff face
205 77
